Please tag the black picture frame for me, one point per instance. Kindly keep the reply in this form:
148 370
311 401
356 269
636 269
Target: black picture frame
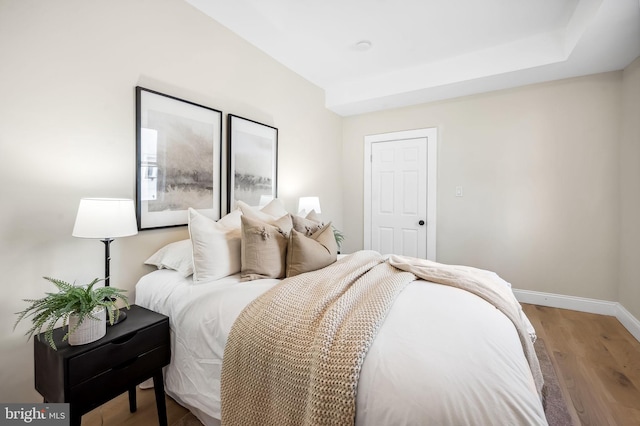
252 161
178 160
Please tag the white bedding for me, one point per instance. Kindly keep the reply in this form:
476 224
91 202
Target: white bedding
442 356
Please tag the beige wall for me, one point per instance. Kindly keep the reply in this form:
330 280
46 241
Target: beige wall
544 203
67 130
629 194
539 170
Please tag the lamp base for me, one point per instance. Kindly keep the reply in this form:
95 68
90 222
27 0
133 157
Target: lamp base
119 319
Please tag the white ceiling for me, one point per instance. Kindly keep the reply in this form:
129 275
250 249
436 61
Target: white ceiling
427 50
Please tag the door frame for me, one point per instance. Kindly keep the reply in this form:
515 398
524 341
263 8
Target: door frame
432 150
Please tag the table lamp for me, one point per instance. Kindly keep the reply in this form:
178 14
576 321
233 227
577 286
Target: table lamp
106 219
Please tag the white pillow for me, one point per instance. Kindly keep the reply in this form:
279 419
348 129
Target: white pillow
232 220
176 256
312 215
275 208
272 211
216 248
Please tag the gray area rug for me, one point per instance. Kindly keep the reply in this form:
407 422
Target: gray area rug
555 407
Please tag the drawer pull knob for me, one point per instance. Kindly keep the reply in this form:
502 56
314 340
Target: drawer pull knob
123 339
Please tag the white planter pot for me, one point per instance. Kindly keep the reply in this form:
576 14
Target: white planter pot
90 330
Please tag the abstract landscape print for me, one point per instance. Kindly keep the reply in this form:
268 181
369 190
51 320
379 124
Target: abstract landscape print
178 160
253 154
184 161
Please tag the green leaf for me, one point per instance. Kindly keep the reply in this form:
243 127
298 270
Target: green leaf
69 299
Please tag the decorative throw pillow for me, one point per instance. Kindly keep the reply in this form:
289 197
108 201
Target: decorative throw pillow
306 254
275 208
283 221
176 256
216 248
312 215
264 248
231 220
268 213
305 225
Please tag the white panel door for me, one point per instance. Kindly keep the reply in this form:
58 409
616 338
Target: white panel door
399 197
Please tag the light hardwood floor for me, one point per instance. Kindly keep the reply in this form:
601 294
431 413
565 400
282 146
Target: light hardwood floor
596 358
116 412
597 361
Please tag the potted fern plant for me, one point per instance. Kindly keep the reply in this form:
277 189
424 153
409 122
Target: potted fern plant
83 308
339 237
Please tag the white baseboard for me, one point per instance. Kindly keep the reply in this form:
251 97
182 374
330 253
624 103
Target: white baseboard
630 322
582 304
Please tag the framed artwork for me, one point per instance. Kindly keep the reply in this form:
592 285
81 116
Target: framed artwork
253 161
178 159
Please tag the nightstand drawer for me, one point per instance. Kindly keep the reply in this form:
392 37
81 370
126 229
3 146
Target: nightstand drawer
117 352
116 380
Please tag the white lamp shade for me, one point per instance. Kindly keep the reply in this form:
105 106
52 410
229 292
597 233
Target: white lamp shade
105 218
306 204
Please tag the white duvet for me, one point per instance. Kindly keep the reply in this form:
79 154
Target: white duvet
442 357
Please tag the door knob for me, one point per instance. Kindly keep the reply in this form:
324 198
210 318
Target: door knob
421 223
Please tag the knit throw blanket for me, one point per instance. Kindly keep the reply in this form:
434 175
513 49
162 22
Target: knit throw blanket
294 355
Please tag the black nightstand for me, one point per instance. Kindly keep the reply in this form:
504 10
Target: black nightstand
89 375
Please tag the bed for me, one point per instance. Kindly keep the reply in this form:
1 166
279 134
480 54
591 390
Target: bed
442 355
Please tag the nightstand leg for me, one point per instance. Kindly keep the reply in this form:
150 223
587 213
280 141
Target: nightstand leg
132 400
158 387
76 419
